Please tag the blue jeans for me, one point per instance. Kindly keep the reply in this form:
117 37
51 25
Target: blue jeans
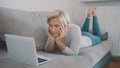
96 36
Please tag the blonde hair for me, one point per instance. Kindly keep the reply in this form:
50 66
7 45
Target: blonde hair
62 16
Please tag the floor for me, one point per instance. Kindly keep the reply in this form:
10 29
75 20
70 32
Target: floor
114 63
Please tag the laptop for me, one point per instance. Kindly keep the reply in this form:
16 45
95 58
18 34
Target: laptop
23 49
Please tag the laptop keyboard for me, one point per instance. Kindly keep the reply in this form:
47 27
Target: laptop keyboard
41 60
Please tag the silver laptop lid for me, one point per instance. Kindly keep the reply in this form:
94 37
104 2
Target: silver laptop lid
21 49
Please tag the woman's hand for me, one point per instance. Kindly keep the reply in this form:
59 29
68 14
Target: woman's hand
59 41
63 30
50 35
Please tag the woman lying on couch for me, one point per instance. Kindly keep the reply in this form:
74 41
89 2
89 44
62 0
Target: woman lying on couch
69 38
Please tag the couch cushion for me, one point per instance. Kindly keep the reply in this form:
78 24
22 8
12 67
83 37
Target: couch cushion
96 53
87 59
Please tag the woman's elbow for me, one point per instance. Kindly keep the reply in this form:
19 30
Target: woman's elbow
71 53
48 50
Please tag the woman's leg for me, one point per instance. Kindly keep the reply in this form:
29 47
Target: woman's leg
85 26
96 36
96 31
95 39
96 27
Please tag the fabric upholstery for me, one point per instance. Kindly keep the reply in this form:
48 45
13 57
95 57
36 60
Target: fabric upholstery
24 23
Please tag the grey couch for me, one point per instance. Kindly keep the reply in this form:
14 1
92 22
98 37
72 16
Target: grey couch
34 24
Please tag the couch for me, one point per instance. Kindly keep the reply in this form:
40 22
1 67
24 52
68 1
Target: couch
30 23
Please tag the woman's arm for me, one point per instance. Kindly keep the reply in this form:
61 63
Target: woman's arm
75 37
50 46
60 44
50 42
66 50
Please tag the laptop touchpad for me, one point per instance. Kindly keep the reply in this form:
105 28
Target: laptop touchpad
41 60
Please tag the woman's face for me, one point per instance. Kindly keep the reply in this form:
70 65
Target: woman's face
54 26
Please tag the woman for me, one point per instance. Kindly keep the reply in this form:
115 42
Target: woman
68 38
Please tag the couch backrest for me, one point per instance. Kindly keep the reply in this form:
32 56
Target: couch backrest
24 23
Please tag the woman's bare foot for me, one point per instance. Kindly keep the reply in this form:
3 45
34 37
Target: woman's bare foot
89 13
94 11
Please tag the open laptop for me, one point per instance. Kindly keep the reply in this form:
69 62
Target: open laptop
23 49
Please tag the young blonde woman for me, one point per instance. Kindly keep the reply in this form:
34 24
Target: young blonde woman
68 38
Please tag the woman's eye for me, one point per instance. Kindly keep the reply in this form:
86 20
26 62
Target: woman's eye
50 25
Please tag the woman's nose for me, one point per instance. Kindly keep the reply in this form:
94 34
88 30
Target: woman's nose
53 29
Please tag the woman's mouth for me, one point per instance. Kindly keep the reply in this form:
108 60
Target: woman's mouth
55 34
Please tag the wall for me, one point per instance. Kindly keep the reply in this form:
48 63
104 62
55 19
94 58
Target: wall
37 5
100 3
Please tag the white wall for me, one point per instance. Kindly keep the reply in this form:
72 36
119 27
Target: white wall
101 3
38 5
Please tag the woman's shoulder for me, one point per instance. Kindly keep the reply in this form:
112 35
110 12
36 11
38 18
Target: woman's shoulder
73 26
74 29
